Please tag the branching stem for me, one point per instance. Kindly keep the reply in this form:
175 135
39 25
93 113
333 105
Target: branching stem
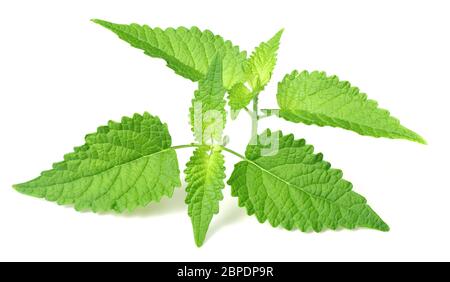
255 118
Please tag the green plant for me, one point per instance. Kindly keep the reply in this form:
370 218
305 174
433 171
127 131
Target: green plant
128 164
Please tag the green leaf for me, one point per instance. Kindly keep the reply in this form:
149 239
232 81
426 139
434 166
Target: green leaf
258 69
285 183
261 63
208 115
120 167
187 51
205 174
314 98
239 97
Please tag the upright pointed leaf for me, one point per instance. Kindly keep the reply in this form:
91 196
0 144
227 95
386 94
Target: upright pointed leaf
120 167
258 69
208 115
285 183
314 98
261 63
188 52
205 174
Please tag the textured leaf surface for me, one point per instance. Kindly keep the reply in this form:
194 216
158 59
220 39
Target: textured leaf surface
258 69
261 63
205 174
295 188
208 115
314 98
122 166
188 52
239 97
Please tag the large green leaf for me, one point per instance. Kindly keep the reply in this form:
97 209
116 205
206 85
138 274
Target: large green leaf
285 183
122 166
314 98
187 51
205 174
208 115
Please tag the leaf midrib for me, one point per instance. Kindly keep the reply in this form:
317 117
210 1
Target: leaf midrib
288 183
197 73
362 127
97 174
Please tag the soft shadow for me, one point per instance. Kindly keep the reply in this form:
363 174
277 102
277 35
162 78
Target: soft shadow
230 215
175 204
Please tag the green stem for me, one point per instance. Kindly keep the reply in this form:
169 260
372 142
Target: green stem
248 111
192 145
234 153
255 118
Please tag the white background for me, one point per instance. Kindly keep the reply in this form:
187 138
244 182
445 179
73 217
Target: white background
61 76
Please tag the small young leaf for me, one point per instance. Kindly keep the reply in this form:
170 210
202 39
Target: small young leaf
239 97
187 51
261 63
208 115
205 174
314 98
120 167
258 69
292 187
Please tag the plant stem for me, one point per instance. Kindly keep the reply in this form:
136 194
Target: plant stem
234 153
255 118
192 145
248 111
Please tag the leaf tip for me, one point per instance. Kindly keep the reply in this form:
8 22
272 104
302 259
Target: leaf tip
380 225
280 32
20 188
199 243
415 137
199 239
277 37
100 22
384 227
421 140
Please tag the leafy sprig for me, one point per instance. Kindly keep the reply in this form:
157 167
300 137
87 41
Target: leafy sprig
131 163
